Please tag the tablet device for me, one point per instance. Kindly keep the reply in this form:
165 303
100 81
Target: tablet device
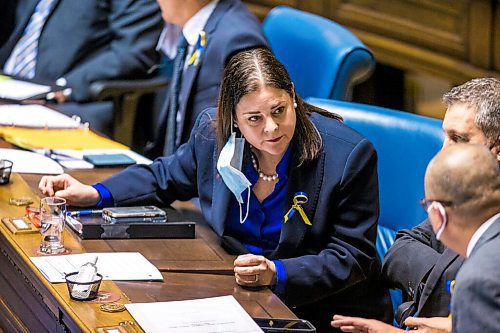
109 160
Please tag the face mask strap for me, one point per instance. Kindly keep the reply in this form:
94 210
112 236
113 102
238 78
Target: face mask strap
248 208
442 212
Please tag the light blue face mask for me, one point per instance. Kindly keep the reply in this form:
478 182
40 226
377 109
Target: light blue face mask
228 165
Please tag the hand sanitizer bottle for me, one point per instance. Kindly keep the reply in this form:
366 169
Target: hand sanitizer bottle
86 274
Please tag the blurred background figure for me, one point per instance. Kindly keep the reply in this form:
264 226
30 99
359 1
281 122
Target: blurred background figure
75 43
199 37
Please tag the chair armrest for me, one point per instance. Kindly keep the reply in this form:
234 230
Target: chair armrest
102 90
125 95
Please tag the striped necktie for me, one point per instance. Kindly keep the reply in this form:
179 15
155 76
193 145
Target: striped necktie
173 97
26 49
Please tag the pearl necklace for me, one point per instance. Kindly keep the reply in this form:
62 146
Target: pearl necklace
267 178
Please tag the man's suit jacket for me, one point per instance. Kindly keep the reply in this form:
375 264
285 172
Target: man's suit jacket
86 41
231 28
420 266
476 299
331 267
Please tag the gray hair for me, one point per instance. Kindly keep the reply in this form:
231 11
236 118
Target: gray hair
483 95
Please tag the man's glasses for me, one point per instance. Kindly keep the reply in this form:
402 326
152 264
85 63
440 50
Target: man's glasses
426 203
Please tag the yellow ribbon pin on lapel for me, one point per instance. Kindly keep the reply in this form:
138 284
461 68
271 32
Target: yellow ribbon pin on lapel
299 199
200 44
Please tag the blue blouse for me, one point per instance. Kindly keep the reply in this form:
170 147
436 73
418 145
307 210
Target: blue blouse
262 229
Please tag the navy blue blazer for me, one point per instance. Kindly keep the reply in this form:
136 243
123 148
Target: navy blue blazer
231 28
421 266
333 263
86 41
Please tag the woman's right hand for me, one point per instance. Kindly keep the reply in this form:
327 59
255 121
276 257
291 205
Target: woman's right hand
67 187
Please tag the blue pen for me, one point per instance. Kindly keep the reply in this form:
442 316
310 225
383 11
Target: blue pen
85 212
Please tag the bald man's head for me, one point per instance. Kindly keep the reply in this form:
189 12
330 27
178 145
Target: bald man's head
466 175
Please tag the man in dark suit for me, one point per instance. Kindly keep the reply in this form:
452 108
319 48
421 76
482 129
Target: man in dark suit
417 263
214 30
81 42
462 188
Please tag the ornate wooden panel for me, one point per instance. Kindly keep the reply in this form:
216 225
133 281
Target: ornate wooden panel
453 39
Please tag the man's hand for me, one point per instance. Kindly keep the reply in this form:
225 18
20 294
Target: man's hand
252 270
429 325
362 325
67 187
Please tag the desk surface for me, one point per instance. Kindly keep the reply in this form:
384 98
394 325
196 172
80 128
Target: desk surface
28 301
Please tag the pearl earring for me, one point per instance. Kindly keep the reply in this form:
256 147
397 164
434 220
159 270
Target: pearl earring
295 105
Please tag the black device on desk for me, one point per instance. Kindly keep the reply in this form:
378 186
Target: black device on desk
129 222
277 325
108 160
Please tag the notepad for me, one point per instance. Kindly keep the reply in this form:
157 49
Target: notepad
18 90
35 116
206 315
122 266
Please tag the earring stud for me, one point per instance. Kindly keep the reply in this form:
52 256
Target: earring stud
295 105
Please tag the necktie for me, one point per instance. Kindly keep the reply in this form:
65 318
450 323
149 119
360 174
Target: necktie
26 49
173 97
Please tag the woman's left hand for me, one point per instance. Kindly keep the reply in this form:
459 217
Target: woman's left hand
252 270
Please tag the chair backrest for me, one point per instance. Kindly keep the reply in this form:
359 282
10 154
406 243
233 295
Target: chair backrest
324 59
405 144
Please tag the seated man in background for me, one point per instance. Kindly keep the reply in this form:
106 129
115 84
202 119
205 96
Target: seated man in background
201 36
462 188
75 43
418 263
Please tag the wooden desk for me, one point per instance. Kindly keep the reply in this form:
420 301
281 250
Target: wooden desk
28 303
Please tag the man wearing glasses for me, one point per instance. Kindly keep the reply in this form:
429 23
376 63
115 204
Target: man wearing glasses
462 187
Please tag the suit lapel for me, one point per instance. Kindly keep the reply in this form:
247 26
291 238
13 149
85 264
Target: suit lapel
490 233
445 260
18 30
307 178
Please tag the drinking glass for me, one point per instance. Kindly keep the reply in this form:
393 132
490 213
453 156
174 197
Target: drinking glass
52 214
5 170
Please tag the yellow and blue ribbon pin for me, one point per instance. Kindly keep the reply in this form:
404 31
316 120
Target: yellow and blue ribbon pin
200 44
299 199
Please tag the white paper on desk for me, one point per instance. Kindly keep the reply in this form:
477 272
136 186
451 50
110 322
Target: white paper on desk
19 90
34 116
206 315
28 162
120 266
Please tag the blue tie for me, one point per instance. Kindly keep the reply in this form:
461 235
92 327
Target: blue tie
173 96
26 49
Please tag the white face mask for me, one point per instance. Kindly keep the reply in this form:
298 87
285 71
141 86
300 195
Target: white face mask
228 165
441 210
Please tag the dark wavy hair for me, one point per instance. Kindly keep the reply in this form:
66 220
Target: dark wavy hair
248 71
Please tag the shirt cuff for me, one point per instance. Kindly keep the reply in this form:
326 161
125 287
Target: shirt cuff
279 287
106 197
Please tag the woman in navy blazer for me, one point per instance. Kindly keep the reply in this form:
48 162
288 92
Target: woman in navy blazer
322 260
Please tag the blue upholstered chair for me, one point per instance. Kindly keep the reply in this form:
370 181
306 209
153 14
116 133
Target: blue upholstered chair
324 59
405 144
